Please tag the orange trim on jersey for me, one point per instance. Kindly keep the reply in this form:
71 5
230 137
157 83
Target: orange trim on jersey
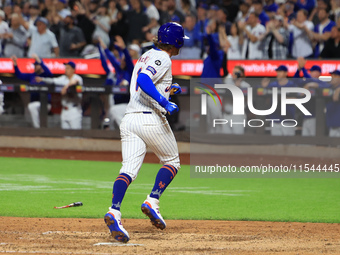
171 170
127 183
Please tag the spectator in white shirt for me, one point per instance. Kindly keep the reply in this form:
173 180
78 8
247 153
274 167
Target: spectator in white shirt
234 42
102 21
15 38
252 46
302 44
42 41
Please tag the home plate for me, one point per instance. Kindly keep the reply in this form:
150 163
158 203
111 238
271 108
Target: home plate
119 244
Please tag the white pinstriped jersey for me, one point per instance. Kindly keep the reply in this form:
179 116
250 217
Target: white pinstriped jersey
157 65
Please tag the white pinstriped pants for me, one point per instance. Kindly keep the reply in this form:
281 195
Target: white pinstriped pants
139 131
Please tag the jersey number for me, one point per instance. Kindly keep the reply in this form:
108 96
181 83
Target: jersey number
139 71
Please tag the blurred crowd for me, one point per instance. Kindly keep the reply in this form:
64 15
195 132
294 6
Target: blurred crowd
118 30
247 29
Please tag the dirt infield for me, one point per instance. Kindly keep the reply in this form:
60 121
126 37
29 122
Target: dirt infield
80 236
83 236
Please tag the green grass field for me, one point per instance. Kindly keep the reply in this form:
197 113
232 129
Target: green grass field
32 187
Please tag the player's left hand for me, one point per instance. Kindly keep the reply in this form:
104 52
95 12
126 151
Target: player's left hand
175 89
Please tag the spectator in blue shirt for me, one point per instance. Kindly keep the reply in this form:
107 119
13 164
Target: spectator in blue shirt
270 7
213 63
305 4
191 49
201 25
41 70
258 9
212 69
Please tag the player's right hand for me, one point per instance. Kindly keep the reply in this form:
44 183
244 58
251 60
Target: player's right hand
175 89
171 108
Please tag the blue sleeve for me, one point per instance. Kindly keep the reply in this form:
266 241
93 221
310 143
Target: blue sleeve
128 61
305 73
103 61
297 74
113 60
146 84
329 27
212 48
22 76
47 71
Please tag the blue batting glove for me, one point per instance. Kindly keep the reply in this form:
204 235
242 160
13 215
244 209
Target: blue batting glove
171 108
176 89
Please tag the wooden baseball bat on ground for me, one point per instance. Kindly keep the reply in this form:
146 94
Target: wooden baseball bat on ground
70 205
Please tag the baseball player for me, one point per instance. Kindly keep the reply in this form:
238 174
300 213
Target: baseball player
71 114
282 81
40 70
311 80
145 124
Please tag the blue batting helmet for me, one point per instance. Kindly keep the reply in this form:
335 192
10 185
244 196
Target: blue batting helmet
172 33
